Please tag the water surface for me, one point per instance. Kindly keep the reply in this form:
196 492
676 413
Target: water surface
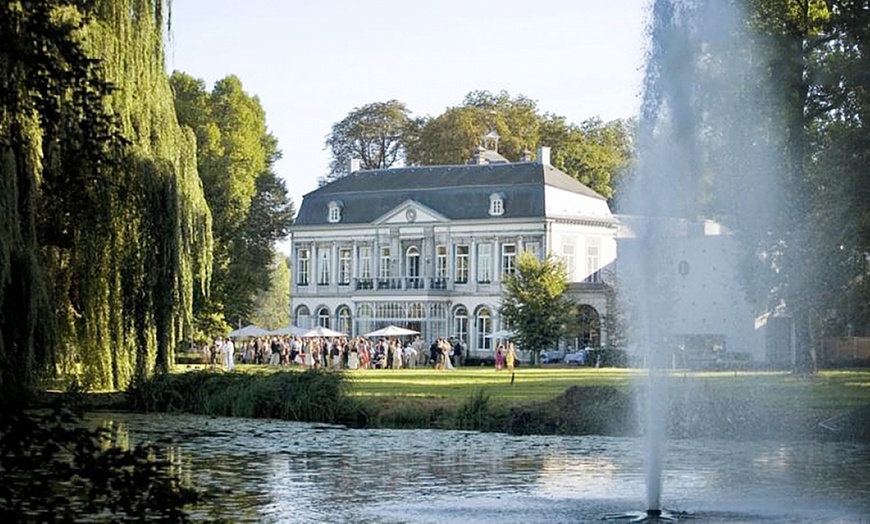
277 471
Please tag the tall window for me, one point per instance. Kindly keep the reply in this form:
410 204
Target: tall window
303 263
384 268
323 266
508 258
441 262
533 248
461 264
365 262
484 263
568 259
344 266
412 268
592 264
484 328
460 324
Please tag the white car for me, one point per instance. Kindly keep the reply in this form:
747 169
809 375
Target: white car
578 358
552 356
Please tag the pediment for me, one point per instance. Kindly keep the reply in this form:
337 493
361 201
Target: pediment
410 212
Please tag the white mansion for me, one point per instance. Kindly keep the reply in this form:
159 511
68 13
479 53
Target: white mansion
427 247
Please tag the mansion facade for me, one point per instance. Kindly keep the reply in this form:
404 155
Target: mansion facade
427 248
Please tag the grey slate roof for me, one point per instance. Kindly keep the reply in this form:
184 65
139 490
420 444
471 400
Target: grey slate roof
459 192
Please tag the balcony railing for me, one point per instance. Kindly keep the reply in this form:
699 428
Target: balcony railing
438 283
400 283
390 283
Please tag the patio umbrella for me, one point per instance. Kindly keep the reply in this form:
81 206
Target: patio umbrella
391 331
321 331
502 333
291 331
248 331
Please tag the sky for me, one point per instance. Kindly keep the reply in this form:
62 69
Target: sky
311 63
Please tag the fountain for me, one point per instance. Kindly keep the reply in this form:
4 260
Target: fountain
702 154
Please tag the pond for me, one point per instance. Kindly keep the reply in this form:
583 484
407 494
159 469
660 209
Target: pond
277 471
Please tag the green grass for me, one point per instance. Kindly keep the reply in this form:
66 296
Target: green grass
530 384
564 400
827 390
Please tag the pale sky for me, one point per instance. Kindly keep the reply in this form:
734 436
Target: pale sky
312 62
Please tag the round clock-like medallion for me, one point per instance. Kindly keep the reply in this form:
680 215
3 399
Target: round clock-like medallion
411 214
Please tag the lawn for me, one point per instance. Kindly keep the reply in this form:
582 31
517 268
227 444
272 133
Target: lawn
529 383
828 390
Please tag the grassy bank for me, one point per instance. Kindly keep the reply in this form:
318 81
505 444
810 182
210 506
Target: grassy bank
538 400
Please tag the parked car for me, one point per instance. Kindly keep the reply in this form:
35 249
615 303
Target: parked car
577 357
552 356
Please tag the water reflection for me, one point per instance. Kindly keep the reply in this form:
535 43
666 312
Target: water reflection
284 471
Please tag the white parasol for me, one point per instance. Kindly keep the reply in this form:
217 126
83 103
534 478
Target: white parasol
392 331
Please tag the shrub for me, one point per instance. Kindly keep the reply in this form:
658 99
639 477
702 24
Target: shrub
309 396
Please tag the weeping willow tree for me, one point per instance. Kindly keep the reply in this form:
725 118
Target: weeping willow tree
106 235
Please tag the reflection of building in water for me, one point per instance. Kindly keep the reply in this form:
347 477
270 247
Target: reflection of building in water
588 476
426 248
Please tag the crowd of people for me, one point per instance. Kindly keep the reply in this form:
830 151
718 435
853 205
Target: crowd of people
336 353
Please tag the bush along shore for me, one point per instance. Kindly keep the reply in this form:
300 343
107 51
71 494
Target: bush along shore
326 397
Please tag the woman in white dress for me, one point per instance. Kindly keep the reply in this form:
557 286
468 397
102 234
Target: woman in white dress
353 356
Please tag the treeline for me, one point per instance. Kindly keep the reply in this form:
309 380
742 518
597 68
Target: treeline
118 242
384 134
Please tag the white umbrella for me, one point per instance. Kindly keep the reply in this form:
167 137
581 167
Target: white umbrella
321 331
248 331
391 331
292 331
502 333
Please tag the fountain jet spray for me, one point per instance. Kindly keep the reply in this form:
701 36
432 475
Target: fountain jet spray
703 152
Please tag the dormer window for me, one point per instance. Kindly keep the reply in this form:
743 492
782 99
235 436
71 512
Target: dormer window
334 212
496 204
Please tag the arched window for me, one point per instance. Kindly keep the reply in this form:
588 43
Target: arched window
496 204
588 326
335 211
323 317
302 318
460 323
364 319
483 323
416 310
344 320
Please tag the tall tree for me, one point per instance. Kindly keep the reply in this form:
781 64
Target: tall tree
454 136
594 152
272 309
534 304
375 134
795 31
839 144
108 233
249 202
